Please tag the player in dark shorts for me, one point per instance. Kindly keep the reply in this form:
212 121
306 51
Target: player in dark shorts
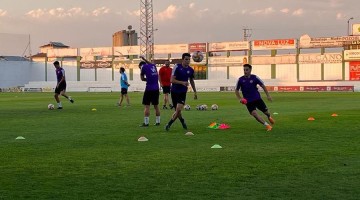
149 74
248 86
60 88
181 75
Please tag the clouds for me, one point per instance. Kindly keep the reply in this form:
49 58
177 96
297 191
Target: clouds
66 13
169 13
2 13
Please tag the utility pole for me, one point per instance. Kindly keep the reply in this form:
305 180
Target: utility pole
146 29
246 35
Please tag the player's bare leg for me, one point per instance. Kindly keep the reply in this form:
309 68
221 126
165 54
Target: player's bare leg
261 120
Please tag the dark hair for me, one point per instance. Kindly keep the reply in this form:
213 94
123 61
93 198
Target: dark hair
185 55
142 63
122 69
56 63
247 65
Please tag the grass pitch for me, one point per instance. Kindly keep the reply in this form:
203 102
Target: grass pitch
77 153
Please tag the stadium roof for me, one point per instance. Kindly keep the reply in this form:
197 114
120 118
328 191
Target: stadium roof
55 44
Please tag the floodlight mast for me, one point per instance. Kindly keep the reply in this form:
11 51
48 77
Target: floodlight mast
146 29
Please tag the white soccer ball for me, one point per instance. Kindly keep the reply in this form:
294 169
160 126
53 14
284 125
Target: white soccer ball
205 107
214 107
51 106
197 56
187 107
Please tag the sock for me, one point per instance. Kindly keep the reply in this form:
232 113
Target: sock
69 98
170 122
59 104
265 124
182 120
146 120
158 119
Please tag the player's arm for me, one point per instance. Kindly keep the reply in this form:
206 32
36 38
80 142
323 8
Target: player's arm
160 74
174 81
144 59
237 92
142 75
266 92
192 83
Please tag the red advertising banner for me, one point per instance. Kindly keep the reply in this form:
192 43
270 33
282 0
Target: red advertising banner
315 88
342 88
194 47
288 88
354 70
274 44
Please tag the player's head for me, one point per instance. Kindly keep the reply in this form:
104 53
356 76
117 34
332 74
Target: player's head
122 70
141 64
186 59
167 63
247 69
56 64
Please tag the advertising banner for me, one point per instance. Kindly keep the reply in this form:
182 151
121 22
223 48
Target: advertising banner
127 51
267 60
95 64
273 44
307 42
194 47
229 46
315 88
100 51
318 58
287 88
171 48
342 88
60 53
233 60
354 70
356 29
352 54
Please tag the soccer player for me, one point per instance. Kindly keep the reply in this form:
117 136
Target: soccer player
164 79
150 75
180 76
61 85
248 85
124 87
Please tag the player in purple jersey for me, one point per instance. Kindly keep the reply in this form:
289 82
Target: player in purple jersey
149 74
248 86
61 84
180 77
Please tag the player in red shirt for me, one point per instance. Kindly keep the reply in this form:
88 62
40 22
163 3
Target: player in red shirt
164 79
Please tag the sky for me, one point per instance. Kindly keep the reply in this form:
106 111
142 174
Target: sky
91 23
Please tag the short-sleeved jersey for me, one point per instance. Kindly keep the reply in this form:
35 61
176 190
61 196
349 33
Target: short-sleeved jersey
165 75
152 77
123 81
249 88
181 73
60 72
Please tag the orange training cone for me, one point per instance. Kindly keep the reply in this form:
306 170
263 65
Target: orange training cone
334 115
311 119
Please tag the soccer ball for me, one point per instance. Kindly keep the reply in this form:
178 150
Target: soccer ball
187 107
197 56
214 107
51 106
205 107
198 107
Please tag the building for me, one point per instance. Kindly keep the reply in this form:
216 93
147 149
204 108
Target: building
40 57
125 38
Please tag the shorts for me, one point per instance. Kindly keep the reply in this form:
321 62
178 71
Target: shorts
257 104
60 88
124 90
178 98
166 89
151 97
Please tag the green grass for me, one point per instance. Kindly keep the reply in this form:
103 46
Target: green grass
76 153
